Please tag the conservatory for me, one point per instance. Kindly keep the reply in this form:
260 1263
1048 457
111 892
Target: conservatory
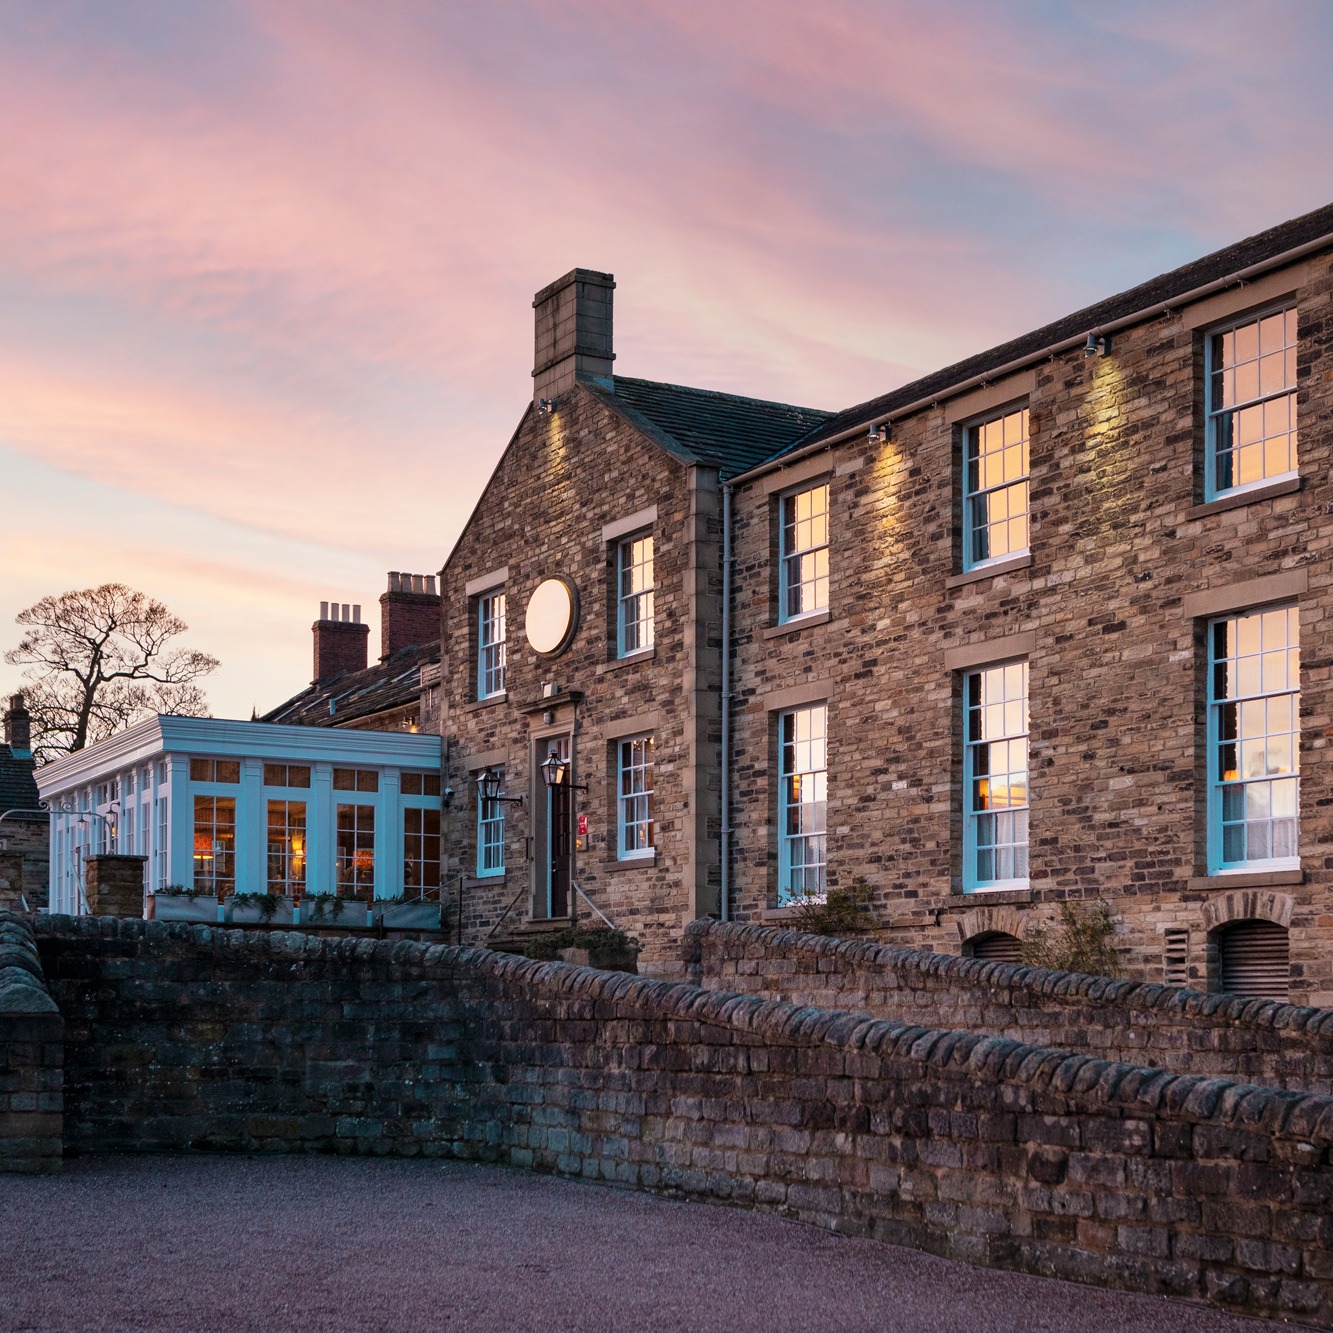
224 810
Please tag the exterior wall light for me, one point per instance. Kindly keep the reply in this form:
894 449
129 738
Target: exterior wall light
546 406
488 787
1098 344
879 434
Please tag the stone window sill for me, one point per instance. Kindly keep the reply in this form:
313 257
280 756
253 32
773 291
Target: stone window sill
1287 486
1247 879
611 867
797 624
483 881
1009 566
645 655
489 702
989 896
778 914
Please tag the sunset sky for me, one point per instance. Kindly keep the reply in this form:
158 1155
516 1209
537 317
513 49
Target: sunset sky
266 268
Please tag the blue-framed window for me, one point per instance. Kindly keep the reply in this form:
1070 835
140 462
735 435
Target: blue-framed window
636 833
1251 396
490 645
804 558
1254 740
634 598
803 803
490 834
995 777
995 488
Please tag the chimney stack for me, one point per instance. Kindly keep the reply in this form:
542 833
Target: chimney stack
409 612
340 641
18 728
573 332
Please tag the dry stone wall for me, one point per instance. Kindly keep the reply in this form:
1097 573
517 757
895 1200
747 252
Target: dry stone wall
982 1148
31 1055
1188 1032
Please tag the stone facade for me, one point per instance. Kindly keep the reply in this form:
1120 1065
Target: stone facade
114 884
563 481
25 855
983 1149
1126 564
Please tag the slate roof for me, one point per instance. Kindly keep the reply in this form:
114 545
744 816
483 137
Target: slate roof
393 683
721 430
1159 291
18 787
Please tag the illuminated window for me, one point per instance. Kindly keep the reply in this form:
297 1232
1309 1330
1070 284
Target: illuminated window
634 614
214 844
355 844
995 489
490 645
995 777
803 803
286 775
804 553
356 779
215 770
1251 427
421 784
490 833
1254 739
421 850
286 846
635 835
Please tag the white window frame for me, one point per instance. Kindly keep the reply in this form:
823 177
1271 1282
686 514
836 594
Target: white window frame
634 608
978 493
636 830
793 575
803 850
491 616
490 832
973 812
1217 741
1213 416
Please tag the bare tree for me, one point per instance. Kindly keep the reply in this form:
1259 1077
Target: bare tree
98 661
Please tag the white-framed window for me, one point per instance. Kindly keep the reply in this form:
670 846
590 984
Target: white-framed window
355 848
215 844
635 831
490 834
802 803
995 488
1254 741
803 557
1251 397
421 850
286 845
490 645
634 596
162 847
995 777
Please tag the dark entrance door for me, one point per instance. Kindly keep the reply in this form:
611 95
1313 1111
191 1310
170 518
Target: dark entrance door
561 801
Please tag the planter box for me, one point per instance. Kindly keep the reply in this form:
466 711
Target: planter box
249 914
353 913
607 961
410 916
178 907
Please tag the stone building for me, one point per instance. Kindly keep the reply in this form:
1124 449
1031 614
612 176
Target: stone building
582 616
24 830
1046 625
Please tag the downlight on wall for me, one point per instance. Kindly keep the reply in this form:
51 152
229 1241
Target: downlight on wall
1098 344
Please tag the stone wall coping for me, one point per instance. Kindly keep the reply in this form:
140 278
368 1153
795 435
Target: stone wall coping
1135 996
23 987
1096 1085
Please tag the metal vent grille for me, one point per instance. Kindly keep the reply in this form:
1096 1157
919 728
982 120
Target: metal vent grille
1255 960
1176 957
998 947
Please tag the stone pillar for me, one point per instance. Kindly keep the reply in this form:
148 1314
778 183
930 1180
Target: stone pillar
114 885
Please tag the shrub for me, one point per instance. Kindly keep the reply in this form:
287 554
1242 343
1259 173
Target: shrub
849 911
1083 940
601 942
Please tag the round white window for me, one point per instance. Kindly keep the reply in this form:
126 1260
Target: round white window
551 616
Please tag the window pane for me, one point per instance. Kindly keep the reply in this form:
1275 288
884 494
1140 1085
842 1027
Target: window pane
804 553
995 763
995 499
286 847
214 844
803 800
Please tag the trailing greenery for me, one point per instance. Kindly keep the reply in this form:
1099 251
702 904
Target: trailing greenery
600 943
841 912
267 903
325 904
180 891
1082 940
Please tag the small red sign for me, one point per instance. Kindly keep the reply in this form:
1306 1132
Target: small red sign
583 826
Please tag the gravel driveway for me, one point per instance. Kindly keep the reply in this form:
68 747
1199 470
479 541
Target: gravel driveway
310 1243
